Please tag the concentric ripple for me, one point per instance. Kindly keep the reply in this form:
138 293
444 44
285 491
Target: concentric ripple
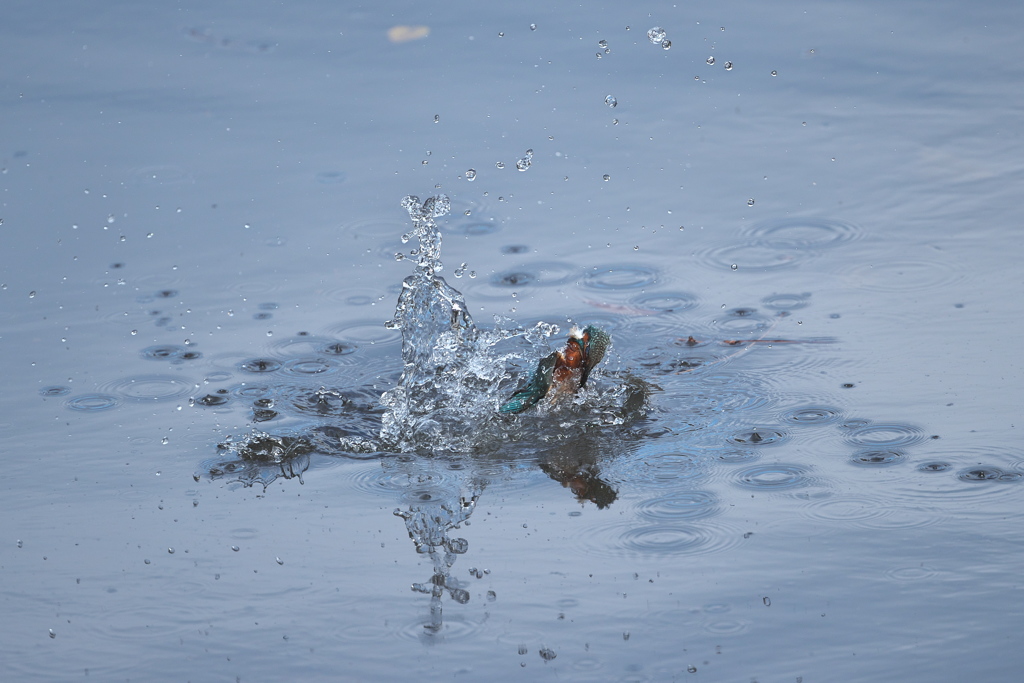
934 467
668 469
786 302
889 435
366 332
453 628
378 479
746 325
151 388
620 276
681 505
624 539
171 352
90 403
753 258
535 274
877 458
774 477
260 365
804 233
758 437
666 302
872 512
988 473
55 390
307 367
812 415
968 476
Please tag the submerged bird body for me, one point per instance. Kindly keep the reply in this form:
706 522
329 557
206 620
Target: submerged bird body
562 373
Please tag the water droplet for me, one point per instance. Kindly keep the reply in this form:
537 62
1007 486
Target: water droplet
692 669
656 35
767 601
501 34
471 175
750 202
728 66
437 118
775 73
533 27
500 164
711 60
146 561
235 548
19 543
734 267
606 177
170 551
599 55
524 163
279 560
666 45
602 43
611 101
165 440
53 634
32 294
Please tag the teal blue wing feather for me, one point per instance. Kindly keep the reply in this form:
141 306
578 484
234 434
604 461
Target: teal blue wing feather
534 390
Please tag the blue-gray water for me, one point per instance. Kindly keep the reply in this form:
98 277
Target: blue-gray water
188 189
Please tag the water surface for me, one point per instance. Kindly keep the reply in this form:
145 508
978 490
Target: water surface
810 257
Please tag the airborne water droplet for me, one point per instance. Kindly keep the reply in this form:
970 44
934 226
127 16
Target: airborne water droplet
711 60
611 101
728 66
750 202
471 175
656 35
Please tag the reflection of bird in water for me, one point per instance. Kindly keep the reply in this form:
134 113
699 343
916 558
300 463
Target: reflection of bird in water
562 372
583 480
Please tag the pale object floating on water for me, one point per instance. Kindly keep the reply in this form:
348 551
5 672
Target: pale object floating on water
403 34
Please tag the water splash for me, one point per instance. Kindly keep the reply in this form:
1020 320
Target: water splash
455 375
451 370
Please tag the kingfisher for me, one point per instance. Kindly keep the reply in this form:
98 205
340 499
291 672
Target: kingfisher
561 373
